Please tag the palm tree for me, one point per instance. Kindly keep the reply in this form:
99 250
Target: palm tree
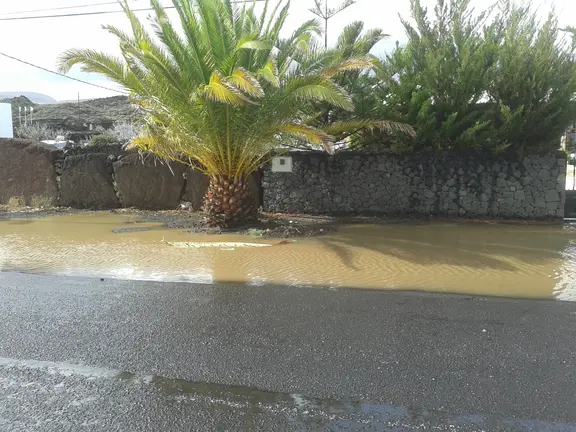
219 91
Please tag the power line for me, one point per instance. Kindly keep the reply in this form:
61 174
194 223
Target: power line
63 7
77 14
96 13
62 75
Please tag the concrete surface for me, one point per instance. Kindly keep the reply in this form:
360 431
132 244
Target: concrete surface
83 354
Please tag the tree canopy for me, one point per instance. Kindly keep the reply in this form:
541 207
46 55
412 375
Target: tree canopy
494 81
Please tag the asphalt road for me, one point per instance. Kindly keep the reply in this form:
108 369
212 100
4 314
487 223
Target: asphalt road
89 355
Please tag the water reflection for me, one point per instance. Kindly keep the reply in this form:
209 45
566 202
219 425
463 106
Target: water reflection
516 260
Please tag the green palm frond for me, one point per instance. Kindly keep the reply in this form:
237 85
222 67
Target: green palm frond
253 45
371 38
350 34
351 64
269 73
318 89
97 62
309 134
349 127
321 93
218 90
246 82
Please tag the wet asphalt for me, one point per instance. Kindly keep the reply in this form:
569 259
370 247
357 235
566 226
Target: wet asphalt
88 355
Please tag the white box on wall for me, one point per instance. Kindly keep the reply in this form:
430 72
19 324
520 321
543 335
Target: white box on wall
282 164
6 130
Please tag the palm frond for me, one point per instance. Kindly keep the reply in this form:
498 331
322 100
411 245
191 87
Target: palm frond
308 133
96 62
350 127
350 34
246 82
219 91
253 44
352 64
371 38
270 73
320 91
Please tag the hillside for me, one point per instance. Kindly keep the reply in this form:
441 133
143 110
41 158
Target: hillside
39 98
77 117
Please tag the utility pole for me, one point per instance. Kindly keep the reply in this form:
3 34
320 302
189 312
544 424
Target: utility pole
322 11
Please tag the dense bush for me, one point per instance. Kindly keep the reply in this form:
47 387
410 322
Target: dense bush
533 83
121 133
490 82
102 140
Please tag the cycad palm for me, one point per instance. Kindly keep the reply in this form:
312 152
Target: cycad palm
219 91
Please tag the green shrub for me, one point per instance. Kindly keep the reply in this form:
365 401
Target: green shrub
532 84
102 140
490 82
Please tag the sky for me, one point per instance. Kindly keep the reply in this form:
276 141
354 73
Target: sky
40 41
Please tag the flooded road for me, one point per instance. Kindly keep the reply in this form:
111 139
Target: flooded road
512 260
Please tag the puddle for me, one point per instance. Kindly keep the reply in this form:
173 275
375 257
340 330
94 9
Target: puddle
531 261
303 412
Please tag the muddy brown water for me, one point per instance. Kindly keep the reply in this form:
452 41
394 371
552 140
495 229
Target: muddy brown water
512 260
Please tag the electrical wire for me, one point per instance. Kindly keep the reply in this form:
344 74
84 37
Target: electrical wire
63 7
62 75
96 13
76 14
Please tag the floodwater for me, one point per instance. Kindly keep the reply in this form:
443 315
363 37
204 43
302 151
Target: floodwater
512 260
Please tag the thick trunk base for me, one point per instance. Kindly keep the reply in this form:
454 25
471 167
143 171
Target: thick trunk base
229 203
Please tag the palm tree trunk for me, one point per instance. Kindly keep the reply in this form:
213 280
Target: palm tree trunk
229 202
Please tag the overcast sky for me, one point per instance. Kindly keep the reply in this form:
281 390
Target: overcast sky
41 41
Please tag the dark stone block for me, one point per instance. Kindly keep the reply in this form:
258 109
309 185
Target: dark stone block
86 183
146 182
196 186
27 169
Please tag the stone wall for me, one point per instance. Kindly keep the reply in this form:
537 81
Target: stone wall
453 185
27 170
346 183
98 178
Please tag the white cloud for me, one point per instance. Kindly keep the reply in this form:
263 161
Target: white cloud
41 41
